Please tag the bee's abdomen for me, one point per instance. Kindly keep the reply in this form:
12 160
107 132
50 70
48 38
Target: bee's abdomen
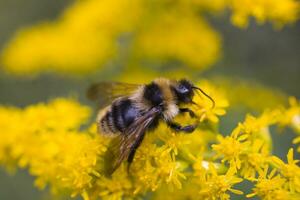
118 117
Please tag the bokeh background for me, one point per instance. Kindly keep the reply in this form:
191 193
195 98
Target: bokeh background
259 54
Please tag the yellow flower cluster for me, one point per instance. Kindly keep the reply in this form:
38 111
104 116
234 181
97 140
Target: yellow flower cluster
45 138
192 41
215 186
278 12
93 33
248 151
271 186
55 143
81 40
248 147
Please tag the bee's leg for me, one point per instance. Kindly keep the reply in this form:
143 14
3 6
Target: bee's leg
177 127
133 150
184 110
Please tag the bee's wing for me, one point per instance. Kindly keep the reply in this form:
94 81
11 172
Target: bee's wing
105 92
126 142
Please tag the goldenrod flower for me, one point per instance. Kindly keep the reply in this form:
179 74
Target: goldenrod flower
155 165
204 107
270 186
230 149
255 159
291 116
296 141
155 42
215 186
46 139
247 148
278 12
289 170
115 188
83 39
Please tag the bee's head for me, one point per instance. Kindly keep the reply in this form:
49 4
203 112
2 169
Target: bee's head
184 91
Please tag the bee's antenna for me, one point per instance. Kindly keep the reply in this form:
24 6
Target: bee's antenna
211 99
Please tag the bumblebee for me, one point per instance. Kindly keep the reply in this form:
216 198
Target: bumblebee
130 110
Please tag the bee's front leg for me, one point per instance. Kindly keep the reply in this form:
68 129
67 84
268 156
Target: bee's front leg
177 127
185 110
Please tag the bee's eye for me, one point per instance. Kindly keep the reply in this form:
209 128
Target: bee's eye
182 89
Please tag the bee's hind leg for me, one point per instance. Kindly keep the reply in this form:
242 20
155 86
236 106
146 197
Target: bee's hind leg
177 127
187 110
133 150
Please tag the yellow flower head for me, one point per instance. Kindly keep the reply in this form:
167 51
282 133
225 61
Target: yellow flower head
296 141
268 186
291 116
230 149
215 186
289 170
205 108
117 187
254 159
154 166
248 147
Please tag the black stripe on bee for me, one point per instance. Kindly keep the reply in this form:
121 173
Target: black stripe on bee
129 112
117 119
153 94
123 114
